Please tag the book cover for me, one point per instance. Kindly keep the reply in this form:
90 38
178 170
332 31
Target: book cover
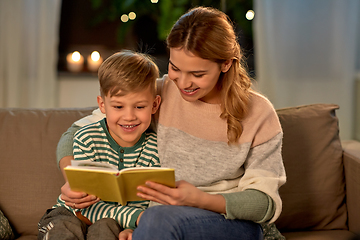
109 184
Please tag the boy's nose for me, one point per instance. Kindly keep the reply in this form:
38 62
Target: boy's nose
130 114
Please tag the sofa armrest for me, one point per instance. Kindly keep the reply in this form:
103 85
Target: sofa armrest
351 158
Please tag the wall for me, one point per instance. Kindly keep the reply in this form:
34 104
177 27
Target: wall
77 90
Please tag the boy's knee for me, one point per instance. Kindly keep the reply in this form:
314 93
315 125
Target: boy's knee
60 222
105 228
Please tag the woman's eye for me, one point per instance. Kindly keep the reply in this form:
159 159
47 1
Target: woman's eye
174 69
198 76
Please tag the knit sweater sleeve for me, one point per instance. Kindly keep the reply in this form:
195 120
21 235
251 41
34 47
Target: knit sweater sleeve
250 205
265 173
65 144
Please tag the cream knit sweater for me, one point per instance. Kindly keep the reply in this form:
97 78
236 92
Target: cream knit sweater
192 138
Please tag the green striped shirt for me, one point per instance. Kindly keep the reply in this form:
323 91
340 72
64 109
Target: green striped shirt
94 142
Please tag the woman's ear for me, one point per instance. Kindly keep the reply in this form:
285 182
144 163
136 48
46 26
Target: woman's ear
225 66
156 104
101 104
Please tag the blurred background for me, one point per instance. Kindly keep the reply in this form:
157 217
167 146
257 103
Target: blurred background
298 52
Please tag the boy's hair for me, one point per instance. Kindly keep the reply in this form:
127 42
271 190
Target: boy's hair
127 71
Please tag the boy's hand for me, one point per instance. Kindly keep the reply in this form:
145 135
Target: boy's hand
126 234
76 200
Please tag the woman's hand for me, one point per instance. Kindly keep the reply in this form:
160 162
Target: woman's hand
185 194
126 234
76 200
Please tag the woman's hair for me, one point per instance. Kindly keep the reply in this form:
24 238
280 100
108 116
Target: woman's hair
127 71
209 34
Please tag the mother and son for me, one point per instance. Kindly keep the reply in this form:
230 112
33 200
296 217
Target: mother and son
222 138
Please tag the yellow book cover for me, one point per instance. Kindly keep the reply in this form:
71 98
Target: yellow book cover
109 184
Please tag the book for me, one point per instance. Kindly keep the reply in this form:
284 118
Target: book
110 184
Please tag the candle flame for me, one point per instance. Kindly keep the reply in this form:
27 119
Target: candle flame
95 56
76 56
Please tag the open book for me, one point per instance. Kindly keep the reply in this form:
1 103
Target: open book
109 184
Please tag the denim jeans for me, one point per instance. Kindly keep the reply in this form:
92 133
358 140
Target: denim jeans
188 223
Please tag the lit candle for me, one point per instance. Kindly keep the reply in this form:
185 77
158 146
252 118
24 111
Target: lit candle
94 61
74 62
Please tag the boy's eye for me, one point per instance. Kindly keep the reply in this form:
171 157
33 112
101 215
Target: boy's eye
140 107
118 107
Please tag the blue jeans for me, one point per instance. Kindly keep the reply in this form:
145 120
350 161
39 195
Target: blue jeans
188 223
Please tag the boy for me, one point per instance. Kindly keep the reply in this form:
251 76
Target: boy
128 99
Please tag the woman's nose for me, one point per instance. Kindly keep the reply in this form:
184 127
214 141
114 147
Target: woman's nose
182 81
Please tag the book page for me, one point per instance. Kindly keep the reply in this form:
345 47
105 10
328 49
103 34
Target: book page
92 165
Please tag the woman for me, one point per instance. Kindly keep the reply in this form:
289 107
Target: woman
223 139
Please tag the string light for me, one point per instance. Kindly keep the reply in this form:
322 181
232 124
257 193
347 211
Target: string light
250 15
132 15
124 18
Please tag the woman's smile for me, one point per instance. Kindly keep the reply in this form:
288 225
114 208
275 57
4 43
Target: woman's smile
190 91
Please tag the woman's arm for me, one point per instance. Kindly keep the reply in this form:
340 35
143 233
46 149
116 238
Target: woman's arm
185 194
250 204
64 150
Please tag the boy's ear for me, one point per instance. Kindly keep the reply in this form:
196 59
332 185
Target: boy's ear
156 104
101 104
226 65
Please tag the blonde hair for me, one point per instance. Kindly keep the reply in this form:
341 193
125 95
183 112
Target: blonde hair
127 71
208 33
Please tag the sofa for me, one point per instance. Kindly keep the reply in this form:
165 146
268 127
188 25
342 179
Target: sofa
321 199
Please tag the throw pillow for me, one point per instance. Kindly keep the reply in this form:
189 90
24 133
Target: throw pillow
6 232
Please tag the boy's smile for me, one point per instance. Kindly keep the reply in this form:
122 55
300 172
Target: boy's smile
128 116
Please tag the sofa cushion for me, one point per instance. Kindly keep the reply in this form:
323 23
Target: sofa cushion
314 194
28 188
321 235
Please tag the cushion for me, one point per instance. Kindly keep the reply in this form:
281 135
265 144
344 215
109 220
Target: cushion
314 194
6 232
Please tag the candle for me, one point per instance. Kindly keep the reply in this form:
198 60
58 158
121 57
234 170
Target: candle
74 62
94 61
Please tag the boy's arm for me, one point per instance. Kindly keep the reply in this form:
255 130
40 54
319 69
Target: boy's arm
65 155
128 216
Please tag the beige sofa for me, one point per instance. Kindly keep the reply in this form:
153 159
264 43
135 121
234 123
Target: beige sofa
321 199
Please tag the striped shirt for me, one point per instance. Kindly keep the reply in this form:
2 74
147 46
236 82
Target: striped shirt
94 142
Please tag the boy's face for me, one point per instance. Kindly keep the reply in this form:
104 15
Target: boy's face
128 116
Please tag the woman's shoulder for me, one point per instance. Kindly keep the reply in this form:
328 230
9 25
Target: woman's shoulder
262 122
259 100
161 83
166 87
259 105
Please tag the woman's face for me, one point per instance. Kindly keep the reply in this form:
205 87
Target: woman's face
195 77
